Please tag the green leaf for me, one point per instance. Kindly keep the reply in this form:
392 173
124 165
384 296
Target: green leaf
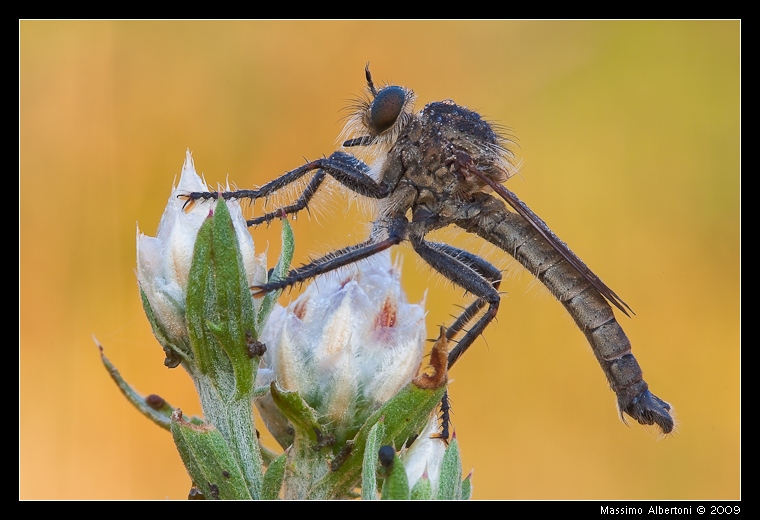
422 490
450 481
404 416
208 460
152 407
279 272
407 413
396 485
270 487
220 318
302 416
369 465
219 308
467 487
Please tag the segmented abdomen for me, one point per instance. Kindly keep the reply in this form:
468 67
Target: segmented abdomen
591 312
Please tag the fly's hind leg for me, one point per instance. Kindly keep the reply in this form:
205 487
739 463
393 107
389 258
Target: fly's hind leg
484 269
474 275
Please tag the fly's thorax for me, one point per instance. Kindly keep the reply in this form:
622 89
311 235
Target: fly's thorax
419 170
439 146
457 137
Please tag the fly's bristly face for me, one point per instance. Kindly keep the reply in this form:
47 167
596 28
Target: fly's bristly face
377 119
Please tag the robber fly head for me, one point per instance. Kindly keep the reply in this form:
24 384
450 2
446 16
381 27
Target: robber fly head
376 120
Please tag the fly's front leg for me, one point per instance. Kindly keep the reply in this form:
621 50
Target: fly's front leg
267 189
396 233
343 167
474 275
298 205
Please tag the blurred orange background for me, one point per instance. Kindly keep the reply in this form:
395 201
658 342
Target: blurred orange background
629 134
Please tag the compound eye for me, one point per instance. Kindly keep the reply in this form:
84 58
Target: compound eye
385 108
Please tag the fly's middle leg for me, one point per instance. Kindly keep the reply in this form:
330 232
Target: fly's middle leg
484 269
336 259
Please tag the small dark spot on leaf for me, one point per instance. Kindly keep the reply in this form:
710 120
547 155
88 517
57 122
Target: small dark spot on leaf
155 401
342 455
172 359
256 349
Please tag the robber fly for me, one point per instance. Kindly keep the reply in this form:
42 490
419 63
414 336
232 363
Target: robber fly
439 168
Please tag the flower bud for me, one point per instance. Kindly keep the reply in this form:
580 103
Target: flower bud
348 344
163 261
425 455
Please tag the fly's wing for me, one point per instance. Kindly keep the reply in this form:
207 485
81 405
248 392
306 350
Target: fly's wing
539 225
